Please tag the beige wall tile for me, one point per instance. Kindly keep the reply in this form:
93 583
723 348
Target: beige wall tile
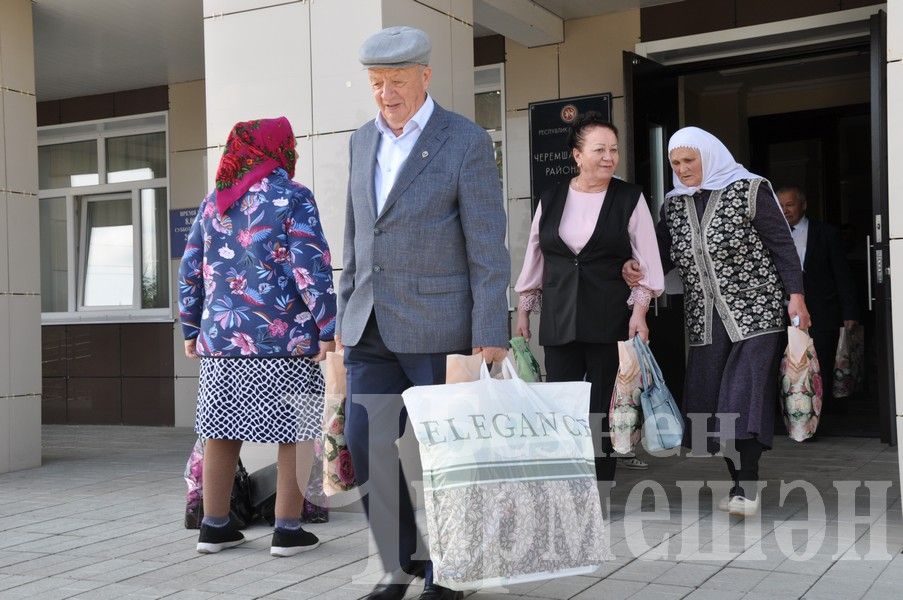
25 345
304 171
517 146
462 9
896 274
267 88
24 432
4 434
22 243
213 156
214 8
186 397
2 149
895 148
438 27
591 55
257 456
341 94
330 187
16 46
462 69
4 248
894 31
20 132
187 116
187 178
182 365
520 216
531 74
5 346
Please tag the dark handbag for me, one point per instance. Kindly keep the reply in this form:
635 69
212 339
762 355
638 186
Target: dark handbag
663 425
263 493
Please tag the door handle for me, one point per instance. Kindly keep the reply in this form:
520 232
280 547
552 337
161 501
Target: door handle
868 268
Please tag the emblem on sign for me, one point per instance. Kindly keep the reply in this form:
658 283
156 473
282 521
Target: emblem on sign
569 113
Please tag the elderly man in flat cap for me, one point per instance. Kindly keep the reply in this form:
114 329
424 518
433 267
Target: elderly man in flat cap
425 274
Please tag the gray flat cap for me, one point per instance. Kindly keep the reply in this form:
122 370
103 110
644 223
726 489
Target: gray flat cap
396 48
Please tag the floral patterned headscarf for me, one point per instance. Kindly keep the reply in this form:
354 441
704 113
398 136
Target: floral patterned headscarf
253 150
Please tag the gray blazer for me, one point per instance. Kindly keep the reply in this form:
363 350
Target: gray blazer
433 264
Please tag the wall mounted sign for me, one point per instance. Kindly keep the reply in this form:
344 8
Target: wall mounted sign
550 159
180 221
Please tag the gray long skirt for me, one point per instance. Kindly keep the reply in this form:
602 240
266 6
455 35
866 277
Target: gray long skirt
727 378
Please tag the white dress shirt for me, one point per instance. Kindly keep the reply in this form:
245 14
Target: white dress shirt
394 150
800 233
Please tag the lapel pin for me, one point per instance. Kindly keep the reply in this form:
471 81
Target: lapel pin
424 154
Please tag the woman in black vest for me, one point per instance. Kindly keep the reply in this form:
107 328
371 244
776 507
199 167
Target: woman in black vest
583 232
723 229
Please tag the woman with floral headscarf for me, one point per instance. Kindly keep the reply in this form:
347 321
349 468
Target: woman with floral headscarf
723 229
257 306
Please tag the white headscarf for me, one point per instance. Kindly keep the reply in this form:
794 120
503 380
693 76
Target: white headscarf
719 169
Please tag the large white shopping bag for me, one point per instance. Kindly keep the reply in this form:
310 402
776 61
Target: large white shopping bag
509 480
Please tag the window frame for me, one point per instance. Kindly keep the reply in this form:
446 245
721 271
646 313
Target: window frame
499 136
76 197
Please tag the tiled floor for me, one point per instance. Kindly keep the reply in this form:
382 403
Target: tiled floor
102 519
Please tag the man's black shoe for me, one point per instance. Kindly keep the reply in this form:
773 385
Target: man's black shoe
393 586
437 592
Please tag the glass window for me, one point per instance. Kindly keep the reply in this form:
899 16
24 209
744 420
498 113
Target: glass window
54 255
136 157
154 249
109 259
68 165
488 107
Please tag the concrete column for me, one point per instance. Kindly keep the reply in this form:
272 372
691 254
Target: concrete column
20 301
188 185
312 76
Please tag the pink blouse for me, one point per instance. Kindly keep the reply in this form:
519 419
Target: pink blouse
578 221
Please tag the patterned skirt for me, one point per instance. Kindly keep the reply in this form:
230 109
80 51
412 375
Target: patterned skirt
266 400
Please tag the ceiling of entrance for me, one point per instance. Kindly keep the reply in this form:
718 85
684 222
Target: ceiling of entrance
578 9
90 47
98 46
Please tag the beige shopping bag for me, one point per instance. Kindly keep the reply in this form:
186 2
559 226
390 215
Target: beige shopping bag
464 368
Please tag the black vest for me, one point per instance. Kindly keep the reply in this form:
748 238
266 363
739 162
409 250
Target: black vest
584 297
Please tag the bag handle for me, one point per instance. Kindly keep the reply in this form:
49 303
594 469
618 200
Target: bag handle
649 368
510 372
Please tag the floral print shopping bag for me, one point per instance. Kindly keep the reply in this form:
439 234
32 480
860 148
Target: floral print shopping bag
338 470
624 413
801 385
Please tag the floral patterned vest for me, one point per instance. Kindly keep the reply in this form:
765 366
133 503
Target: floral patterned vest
724 265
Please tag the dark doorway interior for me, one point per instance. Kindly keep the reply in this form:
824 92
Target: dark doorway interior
827 153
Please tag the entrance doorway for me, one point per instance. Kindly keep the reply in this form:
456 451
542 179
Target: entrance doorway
801 117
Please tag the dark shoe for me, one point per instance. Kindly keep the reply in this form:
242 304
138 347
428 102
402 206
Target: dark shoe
213 539
393 586
437 592
289 542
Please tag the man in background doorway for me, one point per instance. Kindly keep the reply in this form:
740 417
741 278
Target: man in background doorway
827 282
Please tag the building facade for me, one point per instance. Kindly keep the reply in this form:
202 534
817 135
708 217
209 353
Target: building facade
99 157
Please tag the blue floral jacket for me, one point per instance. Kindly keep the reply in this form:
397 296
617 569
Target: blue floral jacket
257 281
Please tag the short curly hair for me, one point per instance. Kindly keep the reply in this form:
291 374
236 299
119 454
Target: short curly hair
584 123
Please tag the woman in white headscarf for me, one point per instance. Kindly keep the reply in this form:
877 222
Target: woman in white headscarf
723 229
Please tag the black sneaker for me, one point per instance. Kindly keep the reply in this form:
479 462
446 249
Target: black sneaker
213 539
289 542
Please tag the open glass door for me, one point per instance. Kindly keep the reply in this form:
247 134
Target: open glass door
879 250
653 114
